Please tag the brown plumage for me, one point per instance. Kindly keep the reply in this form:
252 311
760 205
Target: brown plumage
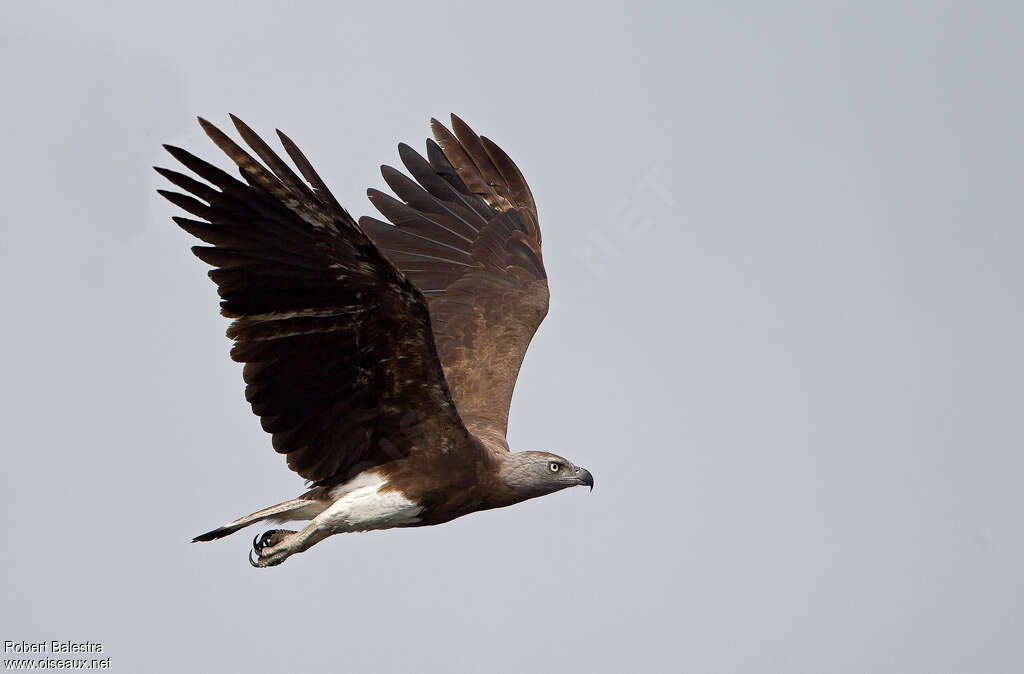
381 356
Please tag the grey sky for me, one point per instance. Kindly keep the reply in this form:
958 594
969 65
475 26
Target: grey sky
785 248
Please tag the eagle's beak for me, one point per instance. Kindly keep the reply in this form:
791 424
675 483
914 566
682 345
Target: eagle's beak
584 476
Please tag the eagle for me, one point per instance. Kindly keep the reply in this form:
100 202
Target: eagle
380 355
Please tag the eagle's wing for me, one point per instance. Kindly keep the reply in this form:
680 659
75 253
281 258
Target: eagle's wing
340 362
467 236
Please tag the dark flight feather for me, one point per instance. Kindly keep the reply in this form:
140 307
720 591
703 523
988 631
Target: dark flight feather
341 364
323 194
485 307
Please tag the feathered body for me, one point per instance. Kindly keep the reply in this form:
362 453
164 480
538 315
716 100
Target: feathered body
380 356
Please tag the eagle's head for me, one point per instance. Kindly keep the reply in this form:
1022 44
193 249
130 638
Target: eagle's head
532 474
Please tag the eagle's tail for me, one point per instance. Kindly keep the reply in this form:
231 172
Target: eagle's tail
295 509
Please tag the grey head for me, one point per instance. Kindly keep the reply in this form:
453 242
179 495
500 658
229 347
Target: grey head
532 474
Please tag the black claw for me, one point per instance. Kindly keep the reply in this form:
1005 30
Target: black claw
262 541
254 564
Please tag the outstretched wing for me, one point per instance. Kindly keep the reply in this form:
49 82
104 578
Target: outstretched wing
466 233
340 362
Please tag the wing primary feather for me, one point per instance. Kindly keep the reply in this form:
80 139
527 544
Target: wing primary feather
310 174
417 197
519 191
436 183
204 192
444 168
417 223
250 168
187 203
270 158
463 162
471 143
203 169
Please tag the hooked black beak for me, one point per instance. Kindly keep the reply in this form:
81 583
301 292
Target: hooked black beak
585 478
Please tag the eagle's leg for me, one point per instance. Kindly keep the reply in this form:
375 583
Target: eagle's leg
361 505
277 545
269 539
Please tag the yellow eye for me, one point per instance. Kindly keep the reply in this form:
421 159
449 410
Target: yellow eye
554 467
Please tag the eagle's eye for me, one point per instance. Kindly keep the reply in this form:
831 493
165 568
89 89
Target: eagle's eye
554 467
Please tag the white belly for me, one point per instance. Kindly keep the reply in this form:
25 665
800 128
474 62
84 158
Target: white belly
361 506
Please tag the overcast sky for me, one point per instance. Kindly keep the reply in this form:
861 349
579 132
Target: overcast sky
784 242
